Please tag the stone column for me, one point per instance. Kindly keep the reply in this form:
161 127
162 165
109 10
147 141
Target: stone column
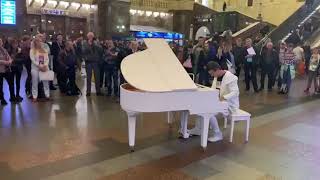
67 26
113 18
43 27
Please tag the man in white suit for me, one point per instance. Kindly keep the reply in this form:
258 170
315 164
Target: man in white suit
229 93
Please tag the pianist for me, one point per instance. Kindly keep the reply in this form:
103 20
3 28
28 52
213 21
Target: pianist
229 92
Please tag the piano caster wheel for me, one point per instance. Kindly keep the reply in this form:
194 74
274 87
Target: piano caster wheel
131 149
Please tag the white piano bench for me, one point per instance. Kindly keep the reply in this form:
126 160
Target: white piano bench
239 115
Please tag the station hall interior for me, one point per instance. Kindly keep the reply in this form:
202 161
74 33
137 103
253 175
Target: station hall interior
159 89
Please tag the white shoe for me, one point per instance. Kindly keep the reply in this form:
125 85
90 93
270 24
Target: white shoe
195 131
185 136
216 137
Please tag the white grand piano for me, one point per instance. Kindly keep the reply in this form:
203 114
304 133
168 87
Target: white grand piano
157 82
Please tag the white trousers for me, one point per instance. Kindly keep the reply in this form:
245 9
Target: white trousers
213 124
35 82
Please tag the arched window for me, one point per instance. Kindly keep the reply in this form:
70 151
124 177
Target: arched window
250 3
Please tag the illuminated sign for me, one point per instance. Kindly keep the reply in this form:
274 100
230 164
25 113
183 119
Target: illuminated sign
8 12
57 12
164 35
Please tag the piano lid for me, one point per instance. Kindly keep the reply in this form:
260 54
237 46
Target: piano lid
156 69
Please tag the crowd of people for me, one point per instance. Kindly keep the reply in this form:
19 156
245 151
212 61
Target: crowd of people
278 63
103 58
61 57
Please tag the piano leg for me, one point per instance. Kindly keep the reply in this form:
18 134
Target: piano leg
204 130
169 117
132 129
184 124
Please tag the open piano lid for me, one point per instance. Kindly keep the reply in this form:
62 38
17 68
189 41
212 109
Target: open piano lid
156 69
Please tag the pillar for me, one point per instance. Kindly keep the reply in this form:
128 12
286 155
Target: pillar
113 18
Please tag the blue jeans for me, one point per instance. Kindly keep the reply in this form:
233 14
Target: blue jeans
287 78
93 66
112 75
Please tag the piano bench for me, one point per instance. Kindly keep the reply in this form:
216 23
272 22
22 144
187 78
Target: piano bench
239 115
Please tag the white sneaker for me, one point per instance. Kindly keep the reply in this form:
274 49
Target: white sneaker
216 137
195 131
184 136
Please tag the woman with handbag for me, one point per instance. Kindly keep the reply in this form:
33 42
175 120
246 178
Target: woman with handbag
40 61
5 73
16 67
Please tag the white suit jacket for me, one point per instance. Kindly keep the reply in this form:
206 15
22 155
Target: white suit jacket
229 90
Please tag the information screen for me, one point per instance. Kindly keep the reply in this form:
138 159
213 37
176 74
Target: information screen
8 12
165 35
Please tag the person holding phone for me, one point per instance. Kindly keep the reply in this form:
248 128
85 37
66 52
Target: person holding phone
112 68
40 62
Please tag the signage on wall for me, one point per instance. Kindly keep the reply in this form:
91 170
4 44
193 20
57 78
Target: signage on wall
57 12
164 35
8 12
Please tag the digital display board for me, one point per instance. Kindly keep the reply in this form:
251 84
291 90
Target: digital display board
8 12
164 35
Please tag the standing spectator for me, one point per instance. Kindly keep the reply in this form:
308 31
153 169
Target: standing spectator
111 69
299 54
269 61
68 60
309 4
313 67
307 29
202 66
40 62
307 56
238 52
222 57
287 70
188 59
124 51
5 73
78 51
103 77
25 53
282 50
224 7
198 48
92 55
58 46
16 66
295 38
250 66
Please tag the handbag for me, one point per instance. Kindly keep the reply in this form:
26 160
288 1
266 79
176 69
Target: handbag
46 76
230 67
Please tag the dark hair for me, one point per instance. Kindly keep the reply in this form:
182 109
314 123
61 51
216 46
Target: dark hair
213 66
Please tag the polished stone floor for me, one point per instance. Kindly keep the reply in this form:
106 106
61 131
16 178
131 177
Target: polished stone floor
84 138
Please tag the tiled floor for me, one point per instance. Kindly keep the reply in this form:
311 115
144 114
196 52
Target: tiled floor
86 138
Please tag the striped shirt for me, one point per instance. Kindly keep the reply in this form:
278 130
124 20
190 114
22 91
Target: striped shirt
289 58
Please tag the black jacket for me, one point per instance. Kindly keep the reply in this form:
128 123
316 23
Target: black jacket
274 58
255 58
239 55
